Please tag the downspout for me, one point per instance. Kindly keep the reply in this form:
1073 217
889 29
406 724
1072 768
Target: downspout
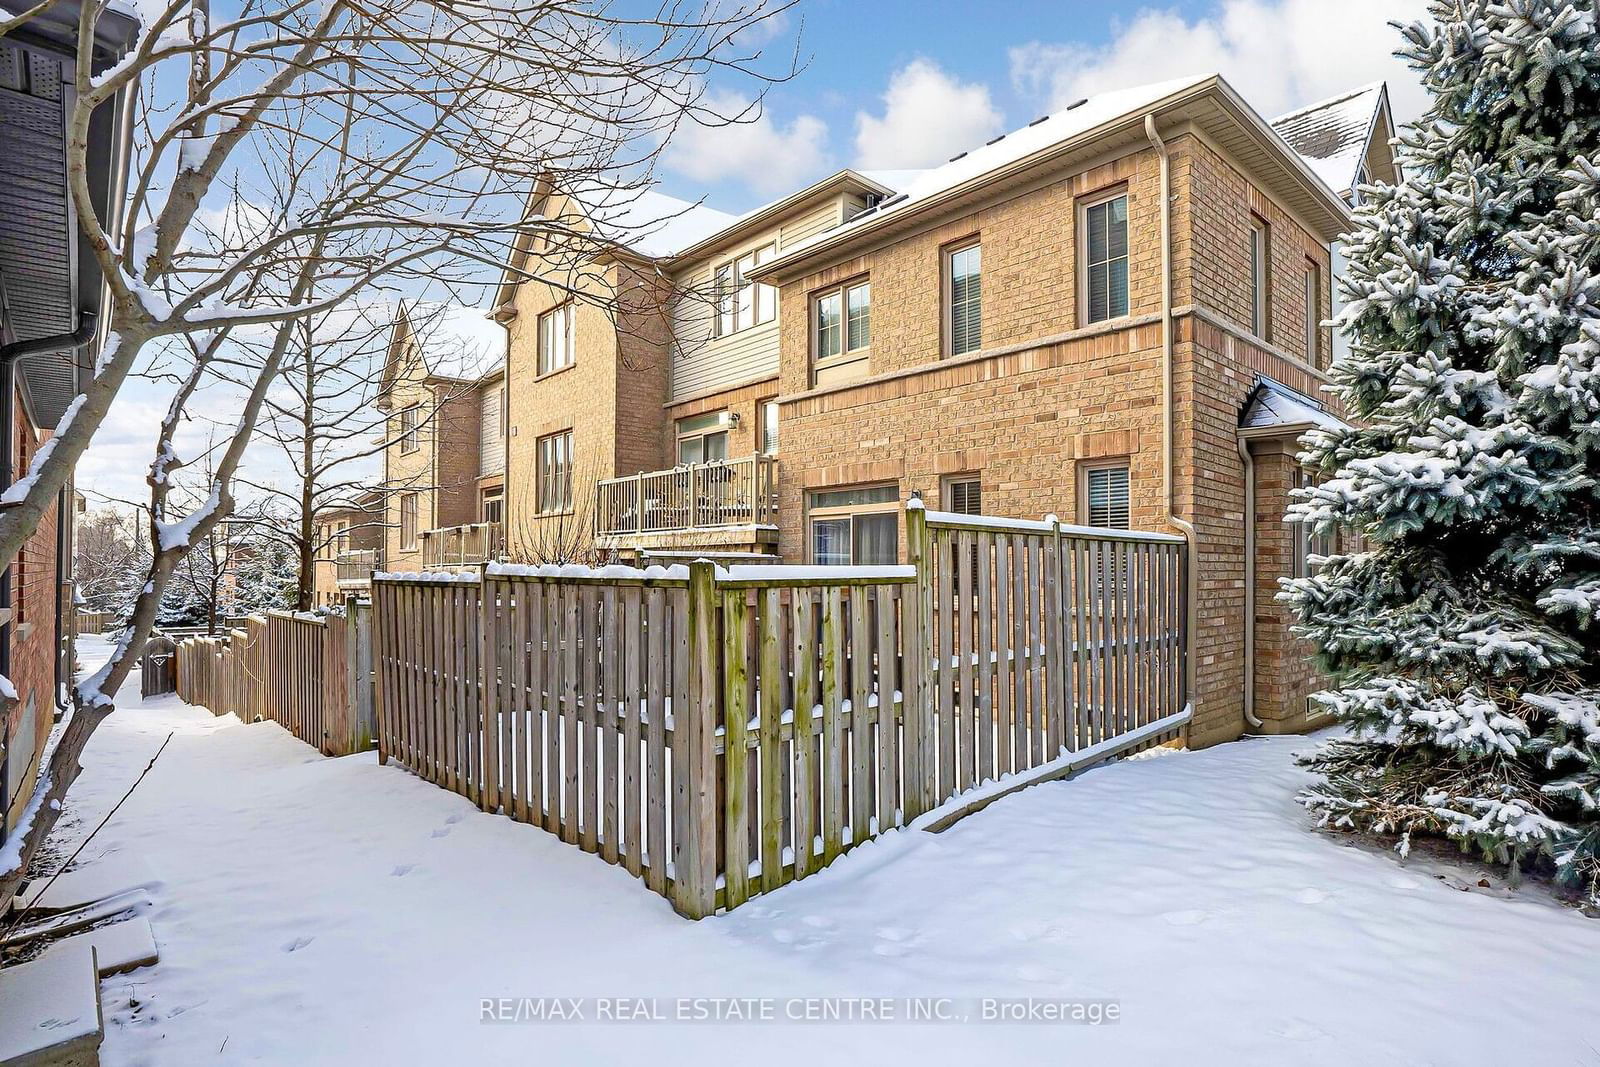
1250 715
1192 570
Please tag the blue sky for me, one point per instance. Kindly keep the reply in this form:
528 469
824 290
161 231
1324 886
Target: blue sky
893 83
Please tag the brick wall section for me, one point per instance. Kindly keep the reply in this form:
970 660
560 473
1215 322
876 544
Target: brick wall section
442 471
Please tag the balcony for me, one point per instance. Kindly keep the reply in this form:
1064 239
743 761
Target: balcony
459 546
354 569
702 496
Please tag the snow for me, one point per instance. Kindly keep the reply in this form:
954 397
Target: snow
1331 135
378 913
778 572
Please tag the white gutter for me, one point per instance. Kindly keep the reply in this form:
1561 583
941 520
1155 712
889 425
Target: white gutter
1191 599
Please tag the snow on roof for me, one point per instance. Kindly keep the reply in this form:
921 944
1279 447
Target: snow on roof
1040 134
893 179
1273 404
1331 135
456 341
650 223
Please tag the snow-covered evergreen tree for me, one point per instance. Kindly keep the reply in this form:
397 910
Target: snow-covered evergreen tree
1465 636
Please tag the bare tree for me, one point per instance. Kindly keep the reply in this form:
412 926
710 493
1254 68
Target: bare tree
310 152
109 554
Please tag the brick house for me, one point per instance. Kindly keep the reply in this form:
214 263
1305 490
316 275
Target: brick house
349 546
1113 314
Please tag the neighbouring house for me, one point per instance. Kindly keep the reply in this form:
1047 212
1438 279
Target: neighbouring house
51 327
349 547
1114 314
444 464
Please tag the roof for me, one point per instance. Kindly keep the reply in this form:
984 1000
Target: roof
454 342
1333 135
649 223
1274 407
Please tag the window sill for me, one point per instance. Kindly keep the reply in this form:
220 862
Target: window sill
552 514
537 378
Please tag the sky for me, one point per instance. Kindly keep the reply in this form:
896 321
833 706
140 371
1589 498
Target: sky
890 84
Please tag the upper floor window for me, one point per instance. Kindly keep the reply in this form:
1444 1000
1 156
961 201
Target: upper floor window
1105 495
1260 257
1313 313
410 419
964 298
742 303
702 438
769 427
842 324
408 521
1104 225
556 348
555 472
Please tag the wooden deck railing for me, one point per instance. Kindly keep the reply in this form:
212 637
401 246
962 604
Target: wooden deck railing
456 546
355 567
749 724
731 492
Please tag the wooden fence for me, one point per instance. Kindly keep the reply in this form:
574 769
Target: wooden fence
722 732
310 674
96 622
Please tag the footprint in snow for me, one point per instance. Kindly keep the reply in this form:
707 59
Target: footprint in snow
1186 918
452 820
821 922
442 832
1311 896
298 943
403 869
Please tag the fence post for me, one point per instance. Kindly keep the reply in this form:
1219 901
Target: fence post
694 889
921 770
1055 612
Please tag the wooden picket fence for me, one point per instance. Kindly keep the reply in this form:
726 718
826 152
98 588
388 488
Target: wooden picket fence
310 674
722 732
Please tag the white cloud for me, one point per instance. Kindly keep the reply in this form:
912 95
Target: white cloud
928 116
765 155
1279 54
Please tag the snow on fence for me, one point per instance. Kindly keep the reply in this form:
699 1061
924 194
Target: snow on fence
310 674
720 732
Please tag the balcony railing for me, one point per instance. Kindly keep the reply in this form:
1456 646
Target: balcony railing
729 492
355 566
454 546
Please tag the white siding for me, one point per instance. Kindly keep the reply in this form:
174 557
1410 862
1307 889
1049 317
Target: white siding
702 363
491 450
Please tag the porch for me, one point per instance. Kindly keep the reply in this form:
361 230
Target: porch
460 546
726 503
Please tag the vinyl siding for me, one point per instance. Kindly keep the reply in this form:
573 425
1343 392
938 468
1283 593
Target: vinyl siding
491 452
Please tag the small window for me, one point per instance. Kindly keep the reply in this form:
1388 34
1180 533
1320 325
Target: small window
963 495
964 298
1260 275
842 324
408 521
1105 259
1313 313
1306 543
556 348
769 427
409 435
742 303
702 438
857 526
1105 496
555 472
493 506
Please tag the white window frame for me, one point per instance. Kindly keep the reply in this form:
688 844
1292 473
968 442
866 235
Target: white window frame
553 472
948 492
815 513
1086 205
846 354
1313 312
949 300
703 431
1260 277
770 426
409 537
556 339
409 436
742 304
498 498
1086 473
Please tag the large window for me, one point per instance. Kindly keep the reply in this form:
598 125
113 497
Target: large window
409 420
964 298
1260 275
857 526
769 427
1104 227
1313 312
1105 495
702 438
408 521
556 338
842 325
742 303
555 472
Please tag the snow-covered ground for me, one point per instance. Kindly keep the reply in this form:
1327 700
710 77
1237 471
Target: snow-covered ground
333 911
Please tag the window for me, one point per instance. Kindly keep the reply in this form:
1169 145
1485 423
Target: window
1313 310
493 505
963 495
1306 542
408 521
1104 226
555 472
702 438
742 303
341 536
842 325
769 427
964 298
1260 251
556 339
409 419
857 526
1105 496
